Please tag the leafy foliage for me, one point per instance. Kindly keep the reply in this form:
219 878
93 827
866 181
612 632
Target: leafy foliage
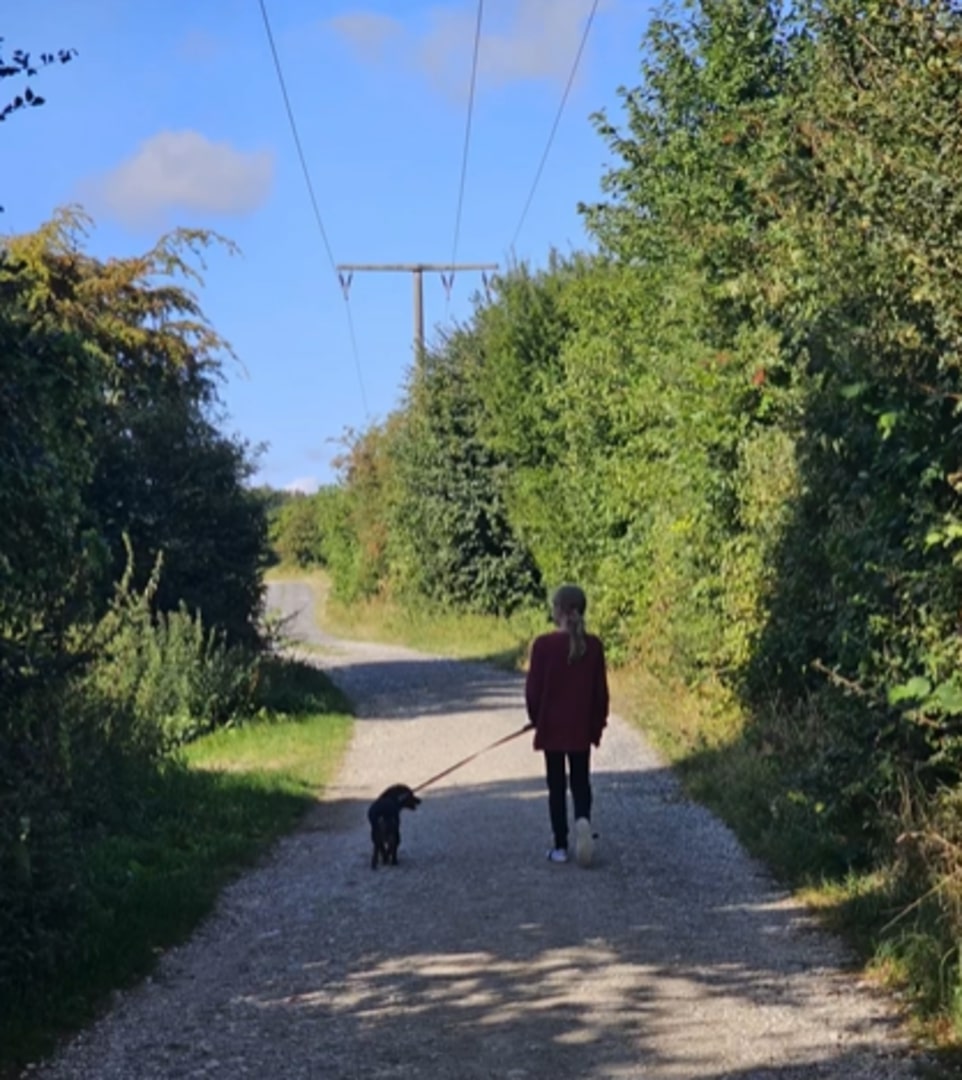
296 532
354 516
171 676
108 450
161 470
21 64
450 538
48 550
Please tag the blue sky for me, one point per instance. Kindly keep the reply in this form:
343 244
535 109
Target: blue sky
171 115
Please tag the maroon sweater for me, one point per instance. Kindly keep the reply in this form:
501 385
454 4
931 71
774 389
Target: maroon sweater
567 703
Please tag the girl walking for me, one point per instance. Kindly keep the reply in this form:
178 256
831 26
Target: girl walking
566 694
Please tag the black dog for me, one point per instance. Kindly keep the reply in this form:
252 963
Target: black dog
384 814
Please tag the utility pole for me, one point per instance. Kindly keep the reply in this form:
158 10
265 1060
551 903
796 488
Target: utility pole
346 271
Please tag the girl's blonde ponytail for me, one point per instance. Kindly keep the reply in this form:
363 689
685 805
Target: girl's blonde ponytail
569 606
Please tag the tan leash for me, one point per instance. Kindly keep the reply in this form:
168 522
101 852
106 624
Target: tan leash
478 753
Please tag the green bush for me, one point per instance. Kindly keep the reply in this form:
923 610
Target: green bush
173 678
79 753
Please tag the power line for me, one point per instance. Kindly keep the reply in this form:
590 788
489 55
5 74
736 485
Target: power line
557 121
467 140
313 197
294 132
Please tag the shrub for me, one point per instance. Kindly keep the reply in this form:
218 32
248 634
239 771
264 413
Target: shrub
166 674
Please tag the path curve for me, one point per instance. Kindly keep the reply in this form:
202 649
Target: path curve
673 958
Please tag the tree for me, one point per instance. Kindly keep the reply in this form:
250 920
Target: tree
20 64
296 531
450 534
108 447
50 553
162 472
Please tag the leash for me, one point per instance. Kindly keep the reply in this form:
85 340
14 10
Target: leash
471 757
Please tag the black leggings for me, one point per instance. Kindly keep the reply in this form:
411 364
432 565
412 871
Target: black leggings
580 790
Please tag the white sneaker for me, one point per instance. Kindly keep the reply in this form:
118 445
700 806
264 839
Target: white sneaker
557 854
584 842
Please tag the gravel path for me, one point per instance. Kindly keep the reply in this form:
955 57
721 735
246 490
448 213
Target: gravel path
674 956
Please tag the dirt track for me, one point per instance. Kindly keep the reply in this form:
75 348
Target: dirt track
673 957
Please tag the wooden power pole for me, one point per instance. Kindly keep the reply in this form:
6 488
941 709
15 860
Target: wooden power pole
447 270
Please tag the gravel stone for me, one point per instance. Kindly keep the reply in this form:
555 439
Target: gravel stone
674 957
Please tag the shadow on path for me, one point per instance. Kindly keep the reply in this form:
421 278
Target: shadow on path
474 959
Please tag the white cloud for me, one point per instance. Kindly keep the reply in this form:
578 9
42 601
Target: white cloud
306 485
183 170
368 31
520 40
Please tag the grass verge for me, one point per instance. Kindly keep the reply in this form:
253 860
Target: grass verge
197 821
